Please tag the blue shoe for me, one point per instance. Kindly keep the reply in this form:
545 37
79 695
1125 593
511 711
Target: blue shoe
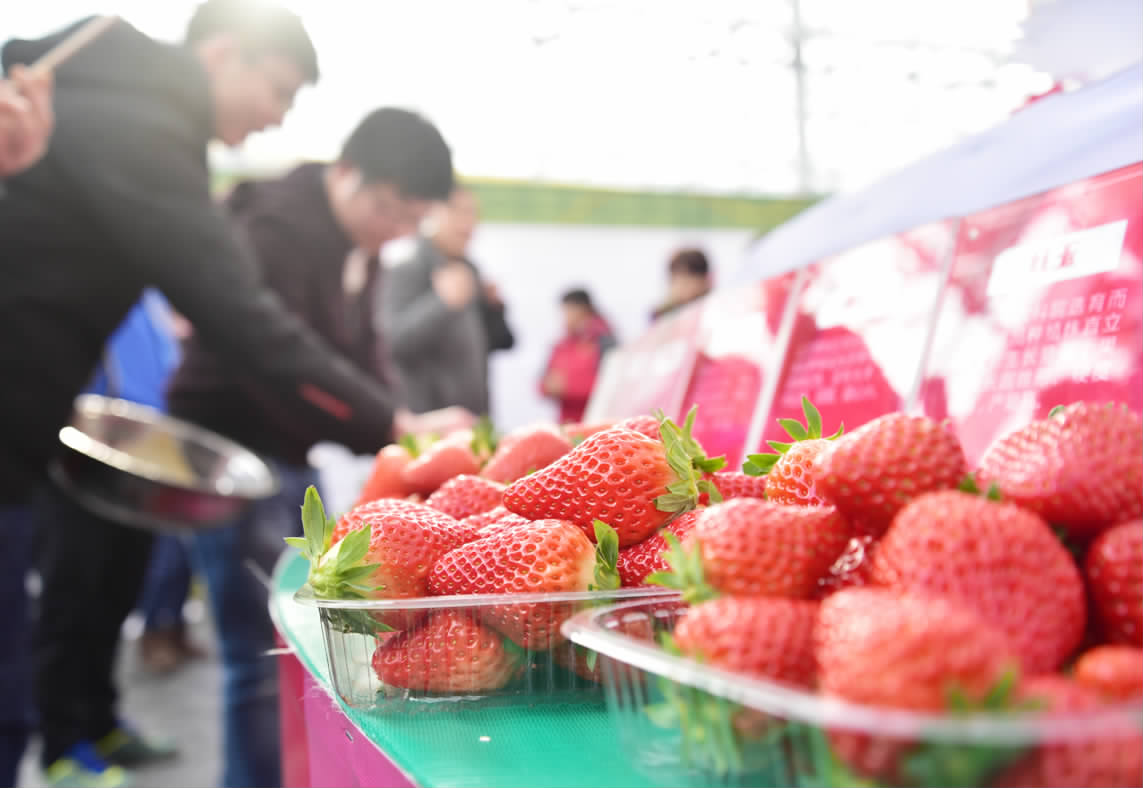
82 767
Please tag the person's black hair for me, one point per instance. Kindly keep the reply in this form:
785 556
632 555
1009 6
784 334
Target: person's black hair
689 261
402 148
260 29
579 297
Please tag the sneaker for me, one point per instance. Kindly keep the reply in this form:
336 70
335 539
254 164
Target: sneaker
82 767
125 746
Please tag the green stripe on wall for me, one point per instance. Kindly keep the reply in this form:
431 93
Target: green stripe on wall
548 203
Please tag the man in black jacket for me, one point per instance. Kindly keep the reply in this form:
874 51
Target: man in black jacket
120 201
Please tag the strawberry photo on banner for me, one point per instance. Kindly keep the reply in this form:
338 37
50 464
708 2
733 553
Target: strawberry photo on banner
859 332
1043 308
652 372
737 351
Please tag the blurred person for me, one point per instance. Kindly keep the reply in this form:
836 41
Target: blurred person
570 373
75 687
25 119
440 319
316 233
120 201
165 644
688 279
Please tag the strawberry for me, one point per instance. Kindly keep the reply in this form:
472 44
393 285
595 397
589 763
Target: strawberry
1081 468
1110 754
759 637
547 556
879 648
1114 571
508 521
852 569
385 476
633 483
380 550
750 547
475 522
789 471
465 495
526 451
644 425
736 484
441 461
998 559
578 432
451 652
1115 672
872 472
639 560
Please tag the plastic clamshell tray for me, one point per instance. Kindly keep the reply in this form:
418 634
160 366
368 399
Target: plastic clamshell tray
747 732
560 673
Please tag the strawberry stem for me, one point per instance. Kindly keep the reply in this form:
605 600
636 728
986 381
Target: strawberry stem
337 571
689 463
606 576
762 464
686 573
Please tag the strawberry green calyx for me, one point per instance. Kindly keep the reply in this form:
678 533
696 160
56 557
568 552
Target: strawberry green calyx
484 438
969 485
336 571
762 464
689 462
606 576
686 573
411 445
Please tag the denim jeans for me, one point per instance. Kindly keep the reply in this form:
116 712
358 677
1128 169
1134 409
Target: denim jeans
17 707
240 605
167 585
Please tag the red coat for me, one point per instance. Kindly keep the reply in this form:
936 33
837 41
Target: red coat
576 357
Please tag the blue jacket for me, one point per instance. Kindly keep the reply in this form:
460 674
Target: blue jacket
140 356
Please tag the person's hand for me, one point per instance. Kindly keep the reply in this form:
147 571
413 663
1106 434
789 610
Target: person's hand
554 384
492 294
26 119
454 284
433 422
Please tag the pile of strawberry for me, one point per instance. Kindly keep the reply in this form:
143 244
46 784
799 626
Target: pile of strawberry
544 511
869 567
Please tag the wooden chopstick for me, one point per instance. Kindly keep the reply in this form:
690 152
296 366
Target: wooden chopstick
55 56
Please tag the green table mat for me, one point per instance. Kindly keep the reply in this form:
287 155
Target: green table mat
519 745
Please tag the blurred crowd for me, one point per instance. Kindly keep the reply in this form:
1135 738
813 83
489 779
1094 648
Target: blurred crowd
269 316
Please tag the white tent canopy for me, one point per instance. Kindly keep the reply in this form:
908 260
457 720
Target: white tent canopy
1058 140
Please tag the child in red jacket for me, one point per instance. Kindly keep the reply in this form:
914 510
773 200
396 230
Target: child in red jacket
572 367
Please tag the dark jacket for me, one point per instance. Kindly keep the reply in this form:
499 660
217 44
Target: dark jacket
440 354
302 252
122 201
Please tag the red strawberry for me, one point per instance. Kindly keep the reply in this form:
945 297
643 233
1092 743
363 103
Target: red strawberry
736 484
627 480
1080 468
475 522
750 547
379 550
577 433
1114 570
1001 561
789 473
871 473
526 451
548 556
465 495
1111 754
385 477
639 560
852 569
507 522
881 648
449 457
1115 672
759 637
644 425
451 652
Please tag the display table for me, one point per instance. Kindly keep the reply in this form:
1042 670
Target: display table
326 743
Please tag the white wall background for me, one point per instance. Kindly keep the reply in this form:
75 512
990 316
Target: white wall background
624 268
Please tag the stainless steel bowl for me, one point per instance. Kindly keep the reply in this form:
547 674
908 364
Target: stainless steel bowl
134 465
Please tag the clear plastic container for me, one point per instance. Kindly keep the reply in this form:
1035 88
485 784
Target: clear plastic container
689 724
553 671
